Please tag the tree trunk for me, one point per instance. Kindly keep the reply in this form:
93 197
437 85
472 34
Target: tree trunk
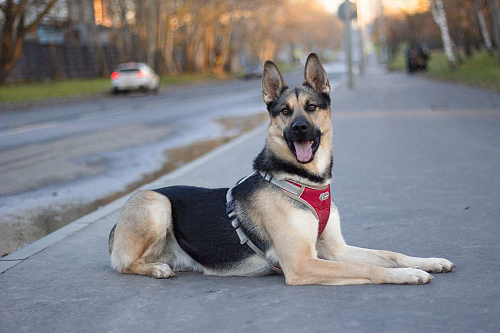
6 46
439 16
12 38
97 49
466 30
150 31
495 14
484 29
224 49
209 46
158 39
140 38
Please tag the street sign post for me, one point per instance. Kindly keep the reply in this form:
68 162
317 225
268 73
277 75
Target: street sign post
347 12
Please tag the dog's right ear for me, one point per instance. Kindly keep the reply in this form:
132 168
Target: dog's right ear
272 83
315 75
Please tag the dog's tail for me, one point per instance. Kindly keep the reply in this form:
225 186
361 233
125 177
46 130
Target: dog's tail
111 239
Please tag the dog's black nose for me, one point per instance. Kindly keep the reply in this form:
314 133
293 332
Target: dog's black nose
300 126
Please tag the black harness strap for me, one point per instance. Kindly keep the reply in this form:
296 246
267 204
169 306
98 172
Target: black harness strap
235 222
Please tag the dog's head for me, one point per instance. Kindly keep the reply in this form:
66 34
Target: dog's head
300 129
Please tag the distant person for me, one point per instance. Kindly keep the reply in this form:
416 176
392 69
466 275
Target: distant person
417 56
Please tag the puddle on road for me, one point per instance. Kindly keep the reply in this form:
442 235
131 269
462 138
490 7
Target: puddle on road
46 220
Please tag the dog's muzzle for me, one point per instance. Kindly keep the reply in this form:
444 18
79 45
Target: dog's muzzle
302 139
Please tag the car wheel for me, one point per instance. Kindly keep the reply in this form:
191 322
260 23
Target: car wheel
116 91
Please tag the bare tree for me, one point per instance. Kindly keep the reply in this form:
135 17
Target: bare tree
483 28
439 15
495 14
17 22
211 36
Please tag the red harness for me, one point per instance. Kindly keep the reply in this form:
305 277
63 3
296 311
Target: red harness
317 200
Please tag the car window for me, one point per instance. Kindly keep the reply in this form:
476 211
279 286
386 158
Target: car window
129 70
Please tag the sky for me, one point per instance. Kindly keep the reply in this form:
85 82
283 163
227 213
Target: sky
331 5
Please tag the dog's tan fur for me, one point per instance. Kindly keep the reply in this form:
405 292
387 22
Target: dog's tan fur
143 241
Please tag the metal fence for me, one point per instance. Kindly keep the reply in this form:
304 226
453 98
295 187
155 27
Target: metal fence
52 61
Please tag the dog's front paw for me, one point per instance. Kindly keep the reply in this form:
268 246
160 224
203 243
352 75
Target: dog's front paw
410 276
162 271
436 265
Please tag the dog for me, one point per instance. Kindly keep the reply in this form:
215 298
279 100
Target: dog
281 218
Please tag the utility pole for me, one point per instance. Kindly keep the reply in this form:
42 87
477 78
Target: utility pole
347 11
382 37
348 49
361 20
361 48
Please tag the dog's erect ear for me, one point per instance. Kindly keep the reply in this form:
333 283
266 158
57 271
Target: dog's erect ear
272 83
315 75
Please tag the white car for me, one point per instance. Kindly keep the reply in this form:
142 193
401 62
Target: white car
134 76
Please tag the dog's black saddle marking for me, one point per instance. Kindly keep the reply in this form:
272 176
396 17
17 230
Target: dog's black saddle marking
202 227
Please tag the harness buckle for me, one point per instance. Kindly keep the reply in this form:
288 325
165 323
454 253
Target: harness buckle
235 223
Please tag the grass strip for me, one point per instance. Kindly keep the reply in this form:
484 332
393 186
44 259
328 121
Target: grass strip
481 70
32 91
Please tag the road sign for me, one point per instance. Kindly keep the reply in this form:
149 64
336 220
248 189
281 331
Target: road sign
347 11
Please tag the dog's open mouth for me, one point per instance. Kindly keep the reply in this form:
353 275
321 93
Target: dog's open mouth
304 150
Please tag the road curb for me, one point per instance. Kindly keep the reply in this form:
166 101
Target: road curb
31 249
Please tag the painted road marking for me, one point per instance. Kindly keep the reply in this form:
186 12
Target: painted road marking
29 128
103 115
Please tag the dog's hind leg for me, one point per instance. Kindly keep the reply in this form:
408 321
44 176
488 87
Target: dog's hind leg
138 240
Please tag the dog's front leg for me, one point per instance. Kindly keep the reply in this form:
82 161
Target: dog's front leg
296 251
392 259
318 271
332 246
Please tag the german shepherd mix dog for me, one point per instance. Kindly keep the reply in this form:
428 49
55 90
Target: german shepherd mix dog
280 218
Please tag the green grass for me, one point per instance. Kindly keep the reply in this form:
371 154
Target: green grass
20 92
286 67
481 70
32 91
397 64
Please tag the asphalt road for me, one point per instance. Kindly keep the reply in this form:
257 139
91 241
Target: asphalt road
59 162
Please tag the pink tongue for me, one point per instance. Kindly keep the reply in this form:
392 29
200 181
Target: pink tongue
303 150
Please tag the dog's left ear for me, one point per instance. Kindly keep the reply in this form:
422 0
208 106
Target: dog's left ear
315 75
272 83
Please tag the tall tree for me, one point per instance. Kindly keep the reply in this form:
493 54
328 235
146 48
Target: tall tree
17 22
439 15
495 14
483 28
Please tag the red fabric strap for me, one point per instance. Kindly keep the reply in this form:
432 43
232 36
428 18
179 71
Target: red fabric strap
319 200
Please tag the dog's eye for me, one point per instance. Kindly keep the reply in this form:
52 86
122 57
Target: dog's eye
311 107
285 111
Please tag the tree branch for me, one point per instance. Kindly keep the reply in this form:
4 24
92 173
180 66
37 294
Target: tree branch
20 29
41 15
20 8
7 7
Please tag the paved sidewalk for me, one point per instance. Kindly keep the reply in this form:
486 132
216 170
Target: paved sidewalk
417 170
